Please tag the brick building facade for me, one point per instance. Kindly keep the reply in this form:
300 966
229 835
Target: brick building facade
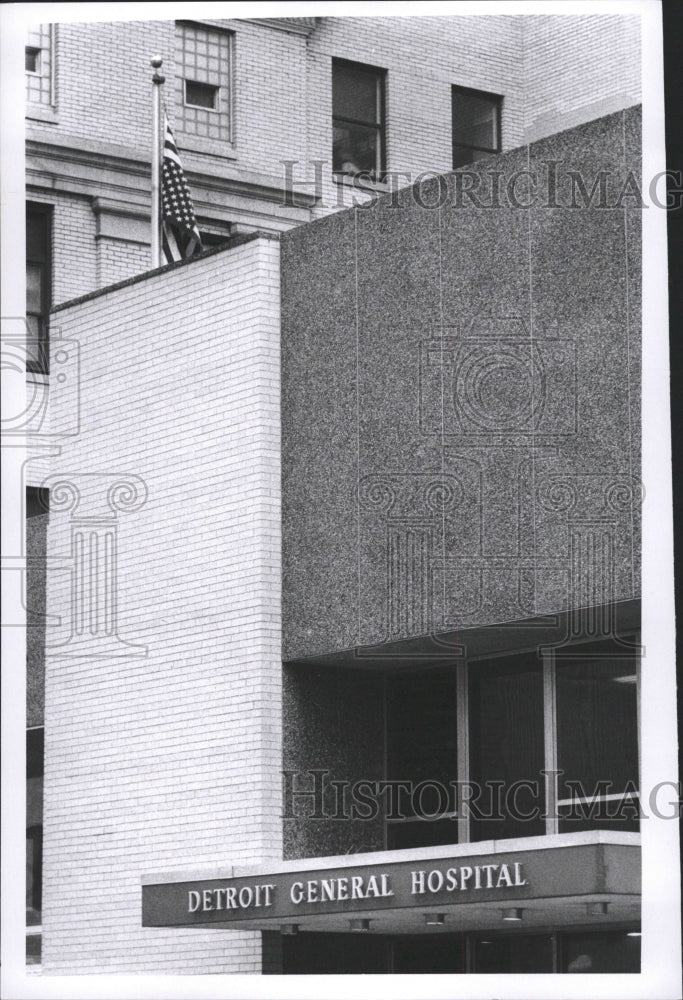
165 729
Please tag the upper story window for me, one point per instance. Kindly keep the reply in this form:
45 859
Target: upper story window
358 119
203 81
476 125
38 282
39 65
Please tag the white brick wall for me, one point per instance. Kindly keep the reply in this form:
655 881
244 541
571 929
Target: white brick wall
118 260
578 68
74 269
172 760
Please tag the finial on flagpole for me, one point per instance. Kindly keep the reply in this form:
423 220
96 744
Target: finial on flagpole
156 64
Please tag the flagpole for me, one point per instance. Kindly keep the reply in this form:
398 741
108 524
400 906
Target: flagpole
157 81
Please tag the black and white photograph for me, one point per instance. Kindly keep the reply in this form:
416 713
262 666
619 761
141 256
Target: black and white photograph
338 622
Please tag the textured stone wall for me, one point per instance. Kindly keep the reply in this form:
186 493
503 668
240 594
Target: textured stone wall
333 722
461 398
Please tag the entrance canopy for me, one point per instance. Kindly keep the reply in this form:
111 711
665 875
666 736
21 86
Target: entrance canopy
565 880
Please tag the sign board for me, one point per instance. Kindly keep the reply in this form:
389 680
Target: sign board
433 883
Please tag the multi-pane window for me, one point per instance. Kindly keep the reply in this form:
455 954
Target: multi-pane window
357 119
38 228
203 81
514 746
39 57
476 125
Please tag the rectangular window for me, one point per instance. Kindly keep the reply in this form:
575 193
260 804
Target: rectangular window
476 125
32 60
597 738
203 81
422 752
39 57
506 747
358 119
38 285
201 95
503 727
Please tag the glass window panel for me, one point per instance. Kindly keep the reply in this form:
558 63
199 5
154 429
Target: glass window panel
334 954
34 875
507 747
475 120
34 286
513 953
356 93
597 738
356 150
462 155
421 833
427 954
32 58
606 952
422 751
36 236
202 95
421 727
33 949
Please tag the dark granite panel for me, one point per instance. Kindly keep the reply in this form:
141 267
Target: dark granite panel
333 723
36 553
491 380
398 267
493 325
484 235
398 309
632 121
583 480
319 438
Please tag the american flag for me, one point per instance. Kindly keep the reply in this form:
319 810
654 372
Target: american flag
179 234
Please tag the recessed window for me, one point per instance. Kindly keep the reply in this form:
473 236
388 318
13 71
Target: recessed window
506 746
203 81
358 119
421 742
476 125
32 60
502 726
597 748
201 95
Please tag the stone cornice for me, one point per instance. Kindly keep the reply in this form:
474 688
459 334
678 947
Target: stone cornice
93 169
